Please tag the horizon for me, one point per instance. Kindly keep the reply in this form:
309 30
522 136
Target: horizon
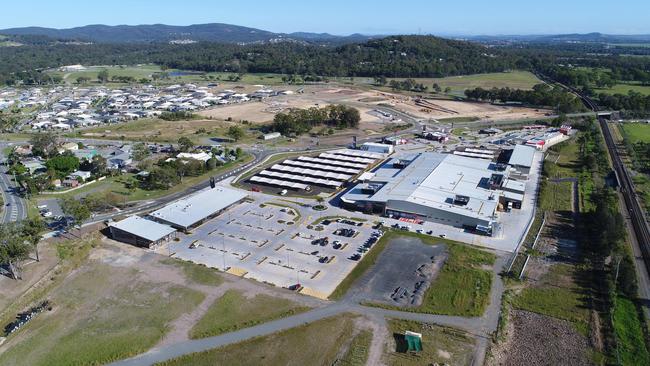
473 18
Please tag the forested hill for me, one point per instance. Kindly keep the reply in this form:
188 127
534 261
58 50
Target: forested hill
395 56
162 33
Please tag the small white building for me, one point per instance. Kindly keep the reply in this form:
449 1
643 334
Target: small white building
271 136
378 148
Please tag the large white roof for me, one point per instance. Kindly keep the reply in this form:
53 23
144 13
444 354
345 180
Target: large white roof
192 209
143 228
522 156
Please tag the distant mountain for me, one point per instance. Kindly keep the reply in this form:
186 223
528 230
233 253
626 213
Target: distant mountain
594 37
161 33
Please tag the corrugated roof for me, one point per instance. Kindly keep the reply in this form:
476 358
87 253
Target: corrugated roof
522 156
192 209
143 228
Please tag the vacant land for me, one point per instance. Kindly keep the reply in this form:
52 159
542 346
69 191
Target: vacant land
158 130
626 88
629 332
636 132
317 343
440 345
198 274
556 196
234 311
462 286
101 314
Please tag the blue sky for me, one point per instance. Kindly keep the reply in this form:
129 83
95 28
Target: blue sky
455 17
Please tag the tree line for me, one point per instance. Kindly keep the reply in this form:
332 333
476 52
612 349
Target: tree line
299 121
540 95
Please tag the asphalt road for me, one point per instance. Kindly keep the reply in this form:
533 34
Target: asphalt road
15 207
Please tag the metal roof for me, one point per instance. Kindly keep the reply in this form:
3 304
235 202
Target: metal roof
192 209
311 172
332 162
146 229
522 156
350 159
361 153
300 178
279 183
433 180
322 167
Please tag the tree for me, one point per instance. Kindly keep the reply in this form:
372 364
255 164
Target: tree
75 209
13 248
185 144
44 144
103 76
235 133
140 151
32 229
63 164
83 80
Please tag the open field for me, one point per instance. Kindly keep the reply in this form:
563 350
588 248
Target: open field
556 196
440 345
158 130
629 332
234 311
458 84
317 343
100 314
461 287
625 88
198 274
636 132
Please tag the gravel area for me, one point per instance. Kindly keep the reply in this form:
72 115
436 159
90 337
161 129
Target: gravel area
535 339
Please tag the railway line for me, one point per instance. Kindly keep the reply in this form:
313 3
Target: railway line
637 215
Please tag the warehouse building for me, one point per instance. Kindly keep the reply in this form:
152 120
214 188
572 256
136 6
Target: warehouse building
521 160
192 211
141 232
445 188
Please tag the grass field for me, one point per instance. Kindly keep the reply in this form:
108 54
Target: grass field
629 333
557 296
317 343
556 196
440 345
357 353
101 314
636 132
461 288
233 311
625 88
158 130
196 273
458 84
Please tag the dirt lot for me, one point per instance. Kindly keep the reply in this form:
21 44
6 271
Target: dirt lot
541 340
366 101
403 264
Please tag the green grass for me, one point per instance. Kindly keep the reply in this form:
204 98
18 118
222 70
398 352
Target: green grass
461 288
357 353
440 345
196 273
556 196
625 88
100 315
629 333
636 132
556 296
316 343
458 119
233 311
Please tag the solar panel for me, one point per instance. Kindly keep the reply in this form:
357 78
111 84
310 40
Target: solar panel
306 164
332 162
349 159
311 172
300 178
279 183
